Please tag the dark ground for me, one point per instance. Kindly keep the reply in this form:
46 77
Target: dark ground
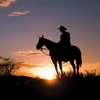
67 88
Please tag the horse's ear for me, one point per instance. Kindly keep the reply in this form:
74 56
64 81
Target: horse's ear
42 36
39 37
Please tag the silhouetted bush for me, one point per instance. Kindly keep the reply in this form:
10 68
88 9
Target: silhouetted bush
7 66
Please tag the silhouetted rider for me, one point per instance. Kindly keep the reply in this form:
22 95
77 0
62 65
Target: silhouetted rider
64 40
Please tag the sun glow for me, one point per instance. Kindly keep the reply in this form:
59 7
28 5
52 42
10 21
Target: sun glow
42 70
47 72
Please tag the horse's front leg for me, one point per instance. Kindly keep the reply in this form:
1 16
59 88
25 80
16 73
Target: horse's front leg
60 66
55 65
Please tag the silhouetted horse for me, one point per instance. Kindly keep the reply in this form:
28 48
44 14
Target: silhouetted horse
74 54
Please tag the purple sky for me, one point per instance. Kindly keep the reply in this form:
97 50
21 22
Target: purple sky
22 21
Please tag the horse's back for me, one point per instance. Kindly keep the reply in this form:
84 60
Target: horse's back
75 48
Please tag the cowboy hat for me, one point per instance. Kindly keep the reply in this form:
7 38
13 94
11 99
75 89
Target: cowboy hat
62 27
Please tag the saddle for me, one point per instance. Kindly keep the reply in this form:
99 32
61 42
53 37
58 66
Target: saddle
64 53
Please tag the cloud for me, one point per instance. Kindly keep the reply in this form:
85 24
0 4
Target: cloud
25 53
85 67
18 13
91 65
6 3
25 64
23 70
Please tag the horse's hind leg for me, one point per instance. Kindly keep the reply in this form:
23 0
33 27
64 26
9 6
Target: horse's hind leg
73 65
77 67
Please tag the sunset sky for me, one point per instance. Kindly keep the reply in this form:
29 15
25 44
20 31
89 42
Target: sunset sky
22 21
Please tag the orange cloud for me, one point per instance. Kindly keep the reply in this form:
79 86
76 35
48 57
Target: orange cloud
25 53
85 67
22 71
18 13
91 65
6 3
24 64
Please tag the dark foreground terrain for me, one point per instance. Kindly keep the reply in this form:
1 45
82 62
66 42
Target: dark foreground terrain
67 88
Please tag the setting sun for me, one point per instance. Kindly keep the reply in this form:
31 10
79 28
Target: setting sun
47 72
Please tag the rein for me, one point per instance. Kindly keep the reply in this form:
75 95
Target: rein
44 52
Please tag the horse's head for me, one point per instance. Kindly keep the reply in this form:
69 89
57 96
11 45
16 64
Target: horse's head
40 43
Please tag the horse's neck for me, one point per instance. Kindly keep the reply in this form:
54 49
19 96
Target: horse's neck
48 43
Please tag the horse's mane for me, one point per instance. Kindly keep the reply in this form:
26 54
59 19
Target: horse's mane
49 41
